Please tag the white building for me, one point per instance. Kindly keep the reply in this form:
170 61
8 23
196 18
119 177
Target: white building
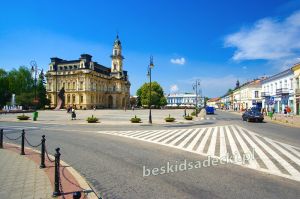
182 100
278 91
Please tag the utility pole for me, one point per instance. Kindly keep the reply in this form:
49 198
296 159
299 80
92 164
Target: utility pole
195 88
151 65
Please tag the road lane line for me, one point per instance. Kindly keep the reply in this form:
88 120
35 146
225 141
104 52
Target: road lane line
195 140
180 137
184 142
252 163
232 144
223 150
212 146
204 140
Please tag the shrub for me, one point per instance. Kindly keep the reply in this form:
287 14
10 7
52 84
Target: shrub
135 119
188 117
169 119
23 117
92 119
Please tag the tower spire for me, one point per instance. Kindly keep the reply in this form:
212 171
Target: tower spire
117 58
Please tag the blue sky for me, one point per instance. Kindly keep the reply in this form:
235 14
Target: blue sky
217 42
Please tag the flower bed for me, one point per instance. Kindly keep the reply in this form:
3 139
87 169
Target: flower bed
169 119
23 117
92 119
135 119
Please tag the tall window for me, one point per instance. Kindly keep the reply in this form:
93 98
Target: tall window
291 82
73 99
271 88
256 94
285 83
81 86
74 85
81 99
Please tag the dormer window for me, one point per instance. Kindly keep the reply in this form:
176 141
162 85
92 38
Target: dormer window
115 52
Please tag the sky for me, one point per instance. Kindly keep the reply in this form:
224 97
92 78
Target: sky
216 42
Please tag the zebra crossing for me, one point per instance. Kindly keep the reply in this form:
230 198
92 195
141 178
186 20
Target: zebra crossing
270 156
207 118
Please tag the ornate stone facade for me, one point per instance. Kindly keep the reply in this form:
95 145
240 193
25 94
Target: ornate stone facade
88 84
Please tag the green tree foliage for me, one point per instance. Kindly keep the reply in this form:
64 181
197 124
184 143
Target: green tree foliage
5 94
20 80
42 93
157 95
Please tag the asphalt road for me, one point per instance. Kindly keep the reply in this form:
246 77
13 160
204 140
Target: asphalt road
114 164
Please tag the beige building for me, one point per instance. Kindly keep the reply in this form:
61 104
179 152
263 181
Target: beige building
250 95
296 86
88 84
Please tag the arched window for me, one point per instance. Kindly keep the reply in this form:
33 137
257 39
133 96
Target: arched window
68 99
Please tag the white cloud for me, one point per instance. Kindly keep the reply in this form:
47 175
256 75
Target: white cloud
268 39
180 61
174 88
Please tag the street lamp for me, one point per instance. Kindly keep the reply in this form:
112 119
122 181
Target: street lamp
151 65
195 88
35 70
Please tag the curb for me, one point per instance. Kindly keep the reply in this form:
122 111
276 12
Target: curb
79 178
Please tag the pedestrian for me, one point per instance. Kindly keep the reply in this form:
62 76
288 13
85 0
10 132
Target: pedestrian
288 110
285 111
73 116
132 108
94 108
184 111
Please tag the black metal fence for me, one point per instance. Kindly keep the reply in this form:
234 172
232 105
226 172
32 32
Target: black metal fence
58 191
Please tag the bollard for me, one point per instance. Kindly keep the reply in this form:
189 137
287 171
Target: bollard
23 143
77 195
56 174
1 139
43 152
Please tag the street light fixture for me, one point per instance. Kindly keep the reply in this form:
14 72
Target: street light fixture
35 70
151 65
195 88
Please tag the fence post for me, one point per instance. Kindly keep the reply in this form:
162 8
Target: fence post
23 142
43 152
56 174
1 139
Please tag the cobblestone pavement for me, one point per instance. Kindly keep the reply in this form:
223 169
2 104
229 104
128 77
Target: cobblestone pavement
21 178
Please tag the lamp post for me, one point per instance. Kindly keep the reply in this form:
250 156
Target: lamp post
151 65
35 70
195 88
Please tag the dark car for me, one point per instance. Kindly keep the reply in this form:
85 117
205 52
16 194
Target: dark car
253 115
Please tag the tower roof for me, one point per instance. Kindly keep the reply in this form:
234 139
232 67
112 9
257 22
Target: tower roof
117 40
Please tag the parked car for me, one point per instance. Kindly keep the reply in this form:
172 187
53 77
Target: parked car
210 110
253 115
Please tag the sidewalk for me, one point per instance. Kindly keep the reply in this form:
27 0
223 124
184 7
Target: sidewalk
21 177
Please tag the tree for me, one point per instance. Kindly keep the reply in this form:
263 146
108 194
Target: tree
42 92
133 101
20 80
4 88
157 95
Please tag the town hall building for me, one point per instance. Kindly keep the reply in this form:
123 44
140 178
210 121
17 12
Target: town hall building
88 84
